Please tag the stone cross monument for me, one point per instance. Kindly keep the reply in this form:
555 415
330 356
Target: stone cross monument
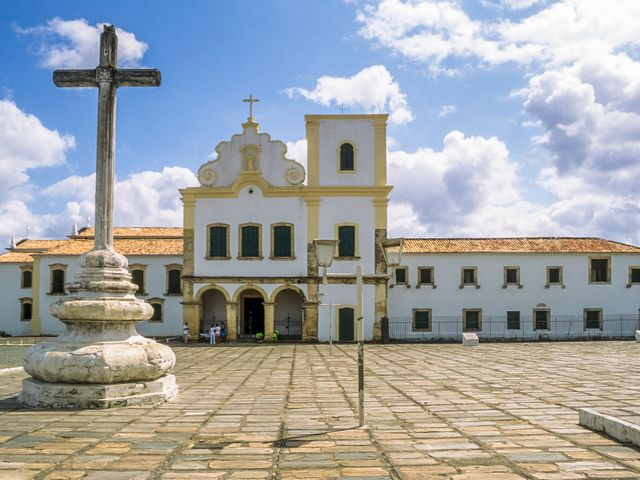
101 361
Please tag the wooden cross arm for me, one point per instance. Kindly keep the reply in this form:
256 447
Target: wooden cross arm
74 78
138 77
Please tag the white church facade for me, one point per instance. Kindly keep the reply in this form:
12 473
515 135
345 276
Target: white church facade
245 258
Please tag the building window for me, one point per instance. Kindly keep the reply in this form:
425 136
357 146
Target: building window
26 278
421 319
137 278
511 276
471 319
425 276
347 158
600 270
592 318
26 309
250 241
158 306
174 281
513 320
469 276
634 276
218 243
347 241
400 275
554 276
541 319
282 241
58 279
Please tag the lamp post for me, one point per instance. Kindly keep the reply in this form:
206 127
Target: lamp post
392 252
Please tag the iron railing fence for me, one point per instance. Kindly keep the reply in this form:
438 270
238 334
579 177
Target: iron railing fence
500 328
289 329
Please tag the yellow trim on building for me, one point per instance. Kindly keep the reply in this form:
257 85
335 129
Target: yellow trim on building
313 218
36 325
313 152
380 151
380 212
356 253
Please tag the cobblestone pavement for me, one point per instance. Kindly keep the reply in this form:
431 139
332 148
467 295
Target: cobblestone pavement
496 412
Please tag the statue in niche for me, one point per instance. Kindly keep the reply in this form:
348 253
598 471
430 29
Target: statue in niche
251 163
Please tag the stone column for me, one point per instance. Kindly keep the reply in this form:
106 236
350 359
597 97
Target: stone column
232 321
310 331
191 316
380 309
269 320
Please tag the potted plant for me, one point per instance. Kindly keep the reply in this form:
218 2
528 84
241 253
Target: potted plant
259 337
276 336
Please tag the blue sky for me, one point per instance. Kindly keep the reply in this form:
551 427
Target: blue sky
508 117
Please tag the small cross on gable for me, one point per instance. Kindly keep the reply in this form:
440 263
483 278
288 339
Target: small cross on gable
251 101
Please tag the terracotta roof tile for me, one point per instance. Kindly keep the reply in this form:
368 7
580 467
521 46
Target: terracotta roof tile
140 246
137 232
16 257
36 245
516 245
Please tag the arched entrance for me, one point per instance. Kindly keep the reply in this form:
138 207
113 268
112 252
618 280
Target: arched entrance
251 313
288 314
214 310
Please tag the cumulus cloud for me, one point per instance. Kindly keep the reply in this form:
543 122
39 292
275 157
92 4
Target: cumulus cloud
446 110
75 44
25 144
298 151
373 89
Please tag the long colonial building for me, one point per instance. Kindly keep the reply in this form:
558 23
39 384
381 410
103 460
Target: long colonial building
245 258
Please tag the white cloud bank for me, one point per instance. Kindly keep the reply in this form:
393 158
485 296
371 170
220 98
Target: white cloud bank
74 44
373 89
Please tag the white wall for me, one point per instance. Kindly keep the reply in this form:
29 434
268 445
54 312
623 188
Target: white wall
250 207
344 294
156 287
10 293
448 299
357 132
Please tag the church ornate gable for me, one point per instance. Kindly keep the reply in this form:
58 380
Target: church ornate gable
251 154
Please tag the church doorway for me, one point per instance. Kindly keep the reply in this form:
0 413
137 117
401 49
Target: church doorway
214 310
252 314
288 314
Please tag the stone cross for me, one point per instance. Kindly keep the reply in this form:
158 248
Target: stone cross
107 77
251 100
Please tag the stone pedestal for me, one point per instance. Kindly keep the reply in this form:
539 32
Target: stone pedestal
470 339
100 361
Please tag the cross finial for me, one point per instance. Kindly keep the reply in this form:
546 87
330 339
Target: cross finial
251 100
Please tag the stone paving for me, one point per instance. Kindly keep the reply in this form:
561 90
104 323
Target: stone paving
496 412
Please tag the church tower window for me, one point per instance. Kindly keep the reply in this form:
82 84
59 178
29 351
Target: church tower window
282 240
250 241
218 241
347 158
347 237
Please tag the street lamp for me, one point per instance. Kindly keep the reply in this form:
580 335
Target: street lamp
392 251
325 251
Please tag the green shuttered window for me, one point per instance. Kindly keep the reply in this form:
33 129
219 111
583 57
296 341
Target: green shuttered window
218 241
282 241
347 238
347 156
250 241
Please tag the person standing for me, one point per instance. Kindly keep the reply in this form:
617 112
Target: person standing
212 335
185 333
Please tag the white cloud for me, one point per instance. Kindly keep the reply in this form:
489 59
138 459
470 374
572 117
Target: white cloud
372 89
298 151
446 110
25 144
75 44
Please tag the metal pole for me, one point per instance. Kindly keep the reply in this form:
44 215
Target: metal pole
360 347
330 327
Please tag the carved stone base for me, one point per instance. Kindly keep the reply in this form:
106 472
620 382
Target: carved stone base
65 395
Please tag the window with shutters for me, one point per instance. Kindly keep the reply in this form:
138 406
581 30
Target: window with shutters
250 241
554 276
158 310
600 270
425 276
634 276
472 319
593 318
468 276
218 241
282 241
400 275
26 277
346 158
421 319
58 274
26 309
513 320
541 319
174 281
511 276
137 278
347 240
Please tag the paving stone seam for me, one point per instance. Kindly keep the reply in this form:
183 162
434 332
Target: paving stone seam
381 453
496 407
277 458
161 469
483 446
